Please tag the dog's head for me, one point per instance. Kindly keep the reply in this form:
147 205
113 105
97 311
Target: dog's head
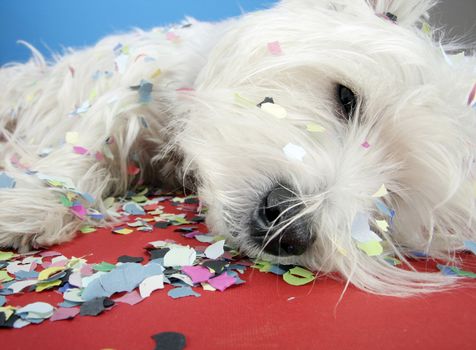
306 110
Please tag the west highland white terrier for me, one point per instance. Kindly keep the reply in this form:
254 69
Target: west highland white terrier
335 134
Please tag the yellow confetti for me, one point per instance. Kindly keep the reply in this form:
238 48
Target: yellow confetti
313 127
382 225
371 248
207 286
275 110
8 311
72 137
243 101
426 28
156 74
382 191
123 231
42 286
93 94
298 276
50 271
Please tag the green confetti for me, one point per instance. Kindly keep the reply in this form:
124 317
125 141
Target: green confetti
462 273
298 276
139 199
104 266
6 255
87 229
262 266
5 277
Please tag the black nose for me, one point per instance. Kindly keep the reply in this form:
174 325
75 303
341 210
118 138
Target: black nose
278 212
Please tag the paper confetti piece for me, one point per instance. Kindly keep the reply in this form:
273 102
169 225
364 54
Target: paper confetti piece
298 276
313 127
123 231
131 298
6 181
382 191
87 229
6 255
121 62
144 89
294 152
182 292
180 256
215 250
133 208
47 285
469 245
17 287
472 96
371 248
221 282
63 313
80 150
150 284
5 277
169 341
383 209
198 274
382 225
40 309
360 229
156 74
72 137
95 306
366 145
275 110
104 266
171 36
274 48
47 273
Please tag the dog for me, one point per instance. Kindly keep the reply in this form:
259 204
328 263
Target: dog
334 134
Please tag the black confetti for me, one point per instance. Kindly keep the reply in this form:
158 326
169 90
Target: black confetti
169 341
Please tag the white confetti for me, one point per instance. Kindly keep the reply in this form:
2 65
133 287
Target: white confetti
294 152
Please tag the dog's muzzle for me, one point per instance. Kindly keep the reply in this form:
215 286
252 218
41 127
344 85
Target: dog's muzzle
277 226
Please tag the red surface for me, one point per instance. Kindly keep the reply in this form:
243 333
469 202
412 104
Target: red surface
256 315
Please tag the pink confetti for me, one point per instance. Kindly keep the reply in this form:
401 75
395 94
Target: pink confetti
131 298
192 234
365 145
72 71
86 270
221 282
79 210
275 48
99 156
198 273
80 150
64 313
185 89
472 95
49 253
171 36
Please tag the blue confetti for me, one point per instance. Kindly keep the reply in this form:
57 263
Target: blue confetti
182 292
2 300
6 181
133 209
144 89
471 246
26 275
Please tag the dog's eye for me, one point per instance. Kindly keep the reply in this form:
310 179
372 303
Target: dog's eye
347 100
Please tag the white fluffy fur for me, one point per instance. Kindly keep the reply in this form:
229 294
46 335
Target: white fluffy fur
413 114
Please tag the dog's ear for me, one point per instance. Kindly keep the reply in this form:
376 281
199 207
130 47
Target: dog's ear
403 12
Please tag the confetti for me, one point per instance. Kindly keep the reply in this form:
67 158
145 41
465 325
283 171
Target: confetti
313 127
469 245
222 282
472 96
366 145
144 89
298 276
6 181
147 286
215 250
72 137
382 191
360 229
63 313
169 341
182 292
382 225
275 110
274 48
294 152
371 248
180 256
131 298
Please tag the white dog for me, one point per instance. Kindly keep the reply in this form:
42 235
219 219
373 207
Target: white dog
329 133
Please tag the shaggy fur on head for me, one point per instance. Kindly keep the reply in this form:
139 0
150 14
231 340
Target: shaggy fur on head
200 127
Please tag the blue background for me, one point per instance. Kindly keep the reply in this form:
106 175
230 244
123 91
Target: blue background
51 25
